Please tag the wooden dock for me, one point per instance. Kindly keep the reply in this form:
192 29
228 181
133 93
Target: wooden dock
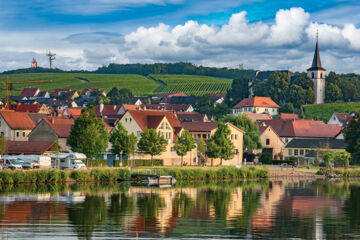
154 179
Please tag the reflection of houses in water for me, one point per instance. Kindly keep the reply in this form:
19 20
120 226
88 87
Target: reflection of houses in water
235 205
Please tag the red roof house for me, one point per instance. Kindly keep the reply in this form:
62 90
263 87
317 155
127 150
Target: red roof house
256 105
30 92
26 147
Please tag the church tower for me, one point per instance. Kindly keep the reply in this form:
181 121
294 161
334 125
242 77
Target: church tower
317 74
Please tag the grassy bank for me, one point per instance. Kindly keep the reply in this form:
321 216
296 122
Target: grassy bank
207 173
324 111
58 176
340 172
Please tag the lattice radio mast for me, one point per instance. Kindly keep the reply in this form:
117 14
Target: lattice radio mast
51 57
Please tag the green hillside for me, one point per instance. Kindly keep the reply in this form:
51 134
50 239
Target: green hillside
324 111
138 84
192 84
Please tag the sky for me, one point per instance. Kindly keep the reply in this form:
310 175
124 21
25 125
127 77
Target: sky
260 34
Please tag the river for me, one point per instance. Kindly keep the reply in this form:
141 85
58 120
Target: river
287 209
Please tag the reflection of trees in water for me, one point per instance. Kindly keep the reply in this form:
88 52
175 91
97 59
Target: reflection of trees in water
86 215
183 205
352 208
120 205
220 198
149 206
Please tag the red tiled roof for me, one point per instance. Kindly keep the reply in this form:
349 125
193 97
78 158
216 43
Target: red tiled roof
258 116
61 126
200 126
303 128
17 120
29 92
107 110
149 118
33 108
25 147
131 107
75 112
168 107
56 103
288 116
257 102
190 116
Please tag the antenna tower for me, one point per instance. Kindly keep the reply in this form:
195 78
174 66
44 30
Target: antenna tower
51 57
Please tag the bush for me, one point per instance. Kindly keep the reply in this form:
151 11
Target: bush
80 175
265 158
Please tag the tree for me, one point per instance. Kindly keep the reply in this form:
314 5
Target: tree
219 145
151 142
300 96
88 134
201 150
207 106
238 91
332 92
184 143
352 138
3 145
287 108
122 142
276 87
252 132
122 96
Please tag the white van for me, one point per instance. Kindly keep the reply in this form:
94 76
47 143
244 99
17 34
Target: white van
68 160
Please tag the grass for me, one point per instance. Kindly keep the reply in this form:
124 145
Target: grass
192 84
324 111
354 172
139 85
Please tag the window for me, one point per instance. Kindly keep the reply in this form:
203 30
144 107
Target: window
321 75
296 152
204 136
236 151
267 141
130 119
301 152
126 120
307 152
235 136
17 134
312 75
23 134
290 152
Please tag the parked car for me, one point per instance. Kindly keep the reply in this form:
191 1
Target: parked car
11 164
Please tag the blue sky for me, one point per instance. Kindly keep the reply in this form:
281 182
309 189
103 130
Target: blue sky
261 34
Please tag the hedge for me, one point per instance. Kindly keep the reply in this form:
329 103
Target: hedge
139 162
56 176
190 174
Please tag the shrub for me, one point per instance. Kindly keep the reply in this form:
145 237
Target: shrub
265 158
6 176
80 175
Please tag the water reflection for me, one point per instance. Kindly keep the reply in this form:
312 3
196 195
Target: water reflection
250 209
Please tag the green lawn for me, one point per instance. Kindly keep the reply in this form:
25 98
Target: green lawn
138 84
192 84
324 111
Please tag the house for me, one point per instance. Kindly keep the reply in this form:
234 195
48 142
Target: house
33 108
88 91
16 126
313 148
341 119
258 116
73 112
288 116
191 117
61 104
289 129
169 107
217 98
136 101
52 129
204 130
107 110
271 141
256 105
26 147
60 91
182 100
37 117
17 99
44 100
125 107
164 97
30 92
43 94
165 122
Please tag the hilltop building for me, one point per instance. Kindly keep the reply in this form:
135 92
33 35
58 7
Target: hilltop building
317 74
256 105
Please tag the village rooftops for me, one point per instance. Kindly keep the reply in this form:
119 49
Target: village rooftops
17 120
200 126
57 92
317 143
258 116
169 107
266 102
288 116
26 147
107 110
61 126
191 117
30 92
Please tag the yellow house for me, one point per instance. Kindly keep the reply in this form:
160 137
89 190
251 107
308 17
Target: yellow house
16 126
311 148
204 130
270 140
165 122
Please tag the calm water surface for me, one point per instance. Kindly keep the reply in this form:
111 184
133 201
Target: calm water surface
220 210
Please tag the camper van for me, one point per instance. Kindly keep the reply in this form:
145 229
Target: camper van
38 161
11 163
70 160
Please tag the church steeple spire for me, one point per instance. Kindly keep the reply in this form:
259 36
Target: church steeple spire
316 64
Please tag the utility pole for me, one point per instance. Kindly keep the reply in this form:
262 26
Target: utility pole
51 57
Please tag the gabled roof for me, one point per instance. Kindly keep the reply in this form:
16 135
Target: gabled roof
73 112
58 103
17 120
58 91
131 107
200 126
33 108
258 116
302 128
107 110
256 102
61 126
317 143
29 92
288 116
42 94
152 118
344 118
37 117
25 147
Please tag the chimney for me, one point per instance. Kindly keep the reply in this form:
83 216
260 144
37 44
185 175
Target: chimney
101 107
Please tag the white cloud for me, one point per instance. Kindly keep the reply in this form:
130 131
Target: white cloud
352 34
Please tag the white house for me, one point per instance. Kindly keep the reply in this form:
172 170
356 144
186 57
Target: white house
256 105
